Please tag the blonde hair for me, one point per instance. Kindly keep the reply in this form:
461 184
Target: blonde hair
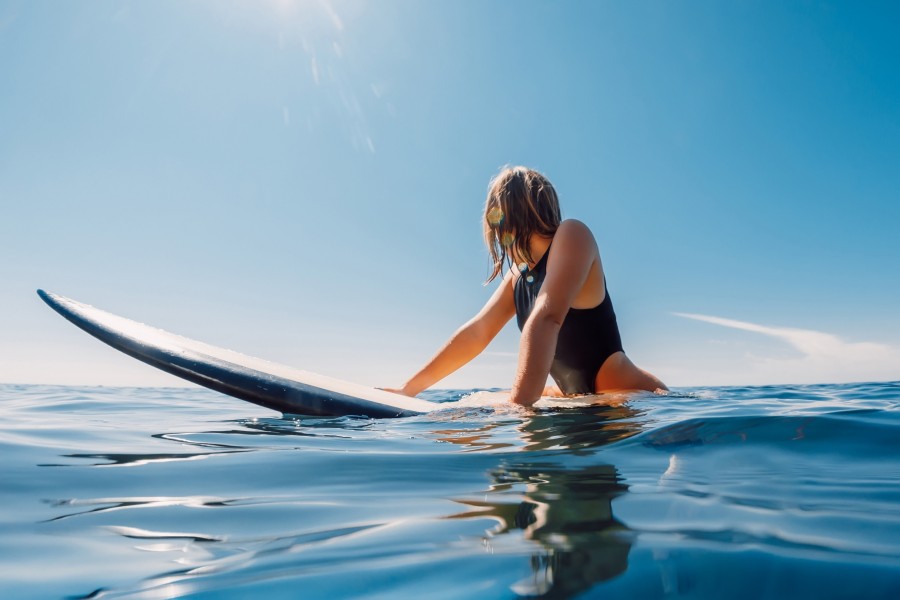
520 203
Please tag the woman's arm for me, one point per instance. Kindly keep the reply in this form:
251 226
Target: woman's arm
468 341
574 251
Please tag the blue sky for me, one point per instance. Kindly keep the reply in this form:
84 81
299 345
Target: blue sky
303 180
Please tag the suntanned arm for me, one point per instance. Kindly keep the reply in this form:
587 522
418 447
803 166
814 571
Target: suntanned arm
468 341
574 251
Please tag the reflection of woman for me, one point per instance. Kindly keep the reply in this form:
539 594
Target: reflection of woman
557 292
569 513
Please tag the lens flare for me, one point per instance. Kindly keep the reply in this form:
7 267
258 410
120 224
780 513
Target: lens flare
495 216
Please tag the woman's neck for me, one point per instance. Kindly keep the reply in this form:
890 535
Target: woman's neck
538 246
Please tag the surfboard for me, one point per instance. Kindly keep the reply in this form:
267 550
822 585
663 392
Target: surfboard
261 382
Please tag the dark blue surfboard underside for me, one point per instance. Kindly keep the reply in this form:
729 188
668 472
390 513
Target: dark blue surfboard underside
188 360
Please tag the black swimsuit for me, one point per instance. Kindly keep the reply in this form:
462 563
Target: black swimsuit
587 337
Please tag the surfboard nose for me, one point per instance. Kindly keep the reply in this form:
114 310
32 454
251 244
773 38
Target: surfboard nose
47 297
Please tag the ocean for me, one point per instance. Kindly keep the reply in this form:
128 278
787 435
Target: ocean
717 492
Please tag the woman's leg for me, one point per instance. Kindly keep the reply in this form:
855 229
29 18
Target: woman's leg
619 373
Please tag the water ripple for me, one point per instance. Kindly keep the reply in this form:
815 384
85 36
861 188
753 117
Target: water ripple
705 492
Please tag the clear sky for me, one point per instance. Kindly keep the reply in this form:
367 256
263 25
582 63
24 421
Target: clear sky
303 180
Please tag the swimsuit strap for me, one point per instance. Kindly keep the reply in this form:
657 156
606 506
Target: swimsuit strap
542 261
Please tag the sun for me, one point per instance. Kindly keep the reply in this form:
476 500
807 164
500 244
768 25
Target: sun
301 13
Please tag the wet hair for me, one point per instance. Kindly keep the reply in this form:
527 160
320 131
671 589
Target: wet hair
520 203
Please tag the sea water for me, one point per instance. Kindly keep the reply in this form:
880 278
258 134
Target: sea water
741 492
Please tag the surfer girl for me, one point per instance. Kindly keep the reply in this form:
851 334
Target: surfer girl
555 287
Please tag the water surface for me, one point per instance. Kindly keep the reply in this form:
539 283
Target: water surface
751 492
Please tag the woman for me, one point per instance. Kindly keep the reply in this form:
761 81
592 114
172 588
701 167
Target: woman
557 291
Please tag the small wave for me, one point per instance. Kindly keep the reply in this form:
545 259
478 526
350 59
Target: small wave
840 431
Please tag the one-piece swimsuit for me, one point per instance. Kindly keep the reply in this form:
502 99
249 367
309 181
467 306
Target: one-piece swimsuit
587 336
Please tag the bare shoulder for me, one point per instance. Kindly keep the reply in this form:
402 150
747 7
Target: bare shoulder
570 266
575 234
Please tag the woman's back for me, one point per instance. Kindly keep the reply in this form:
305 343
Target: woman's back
587 336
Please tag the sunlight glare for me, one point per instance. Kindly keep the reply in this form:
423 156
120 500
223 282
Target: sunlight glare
312 33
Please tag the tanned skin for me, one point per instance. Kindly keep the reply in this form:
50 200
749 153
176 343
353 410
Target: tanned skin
574 280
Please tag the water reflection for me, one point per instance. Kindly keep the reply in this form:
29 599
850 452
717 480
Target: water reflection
276 428
476 439
550 498
100 505
578 432
133 460
567 511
